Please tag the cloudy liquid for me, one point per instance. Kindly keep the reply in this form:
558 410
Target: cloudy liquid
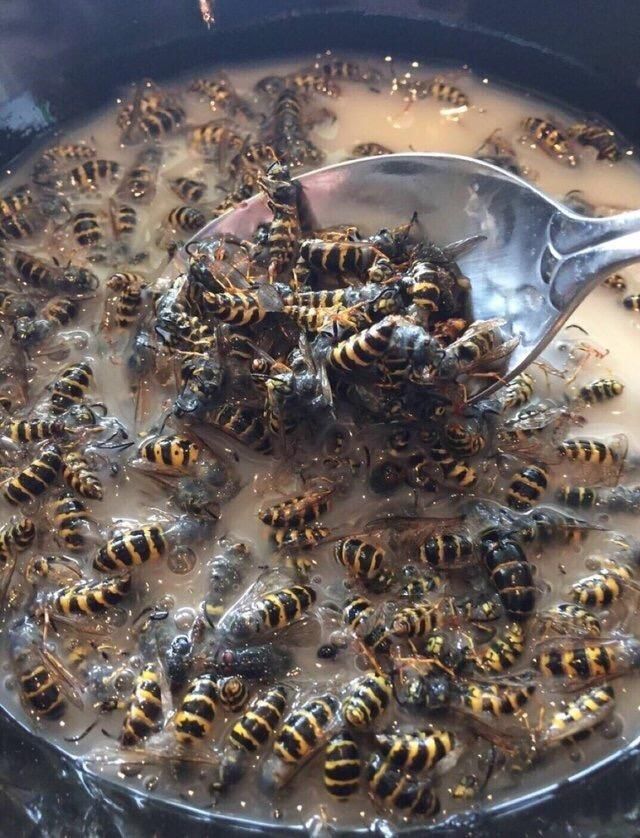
363 115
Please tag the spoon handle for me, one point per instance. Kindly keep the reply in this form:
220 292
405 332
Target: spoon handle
569 232
572 276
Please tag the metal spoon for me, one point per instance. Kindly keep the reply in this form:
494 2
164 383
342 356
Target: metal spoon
539 260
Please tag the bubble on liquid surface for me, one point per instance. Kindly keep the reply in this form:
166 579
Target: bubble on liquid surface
182 561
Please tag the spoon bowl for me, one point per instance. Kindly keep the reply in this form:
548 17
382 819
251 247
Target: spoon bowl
538 261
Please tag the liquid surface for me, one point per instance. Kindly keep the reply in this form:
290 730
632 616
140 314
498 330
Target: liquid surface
178 583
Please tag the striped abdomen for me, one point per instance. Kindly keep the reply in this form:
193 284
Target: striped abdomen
145 707
133 547
260 721
306 729
36 478
197 711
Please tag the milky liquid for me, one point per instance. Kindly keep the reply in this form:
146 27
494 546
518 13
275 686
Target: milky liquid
363 115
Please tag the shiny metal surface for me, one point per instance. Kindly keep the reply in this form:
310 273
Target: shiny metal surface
539 259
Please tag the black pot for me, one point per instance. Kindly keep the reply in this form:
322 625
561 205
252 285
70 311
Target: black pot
63 58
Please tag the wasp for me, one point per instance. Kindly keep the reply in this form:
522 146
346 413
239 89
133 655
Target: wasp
342 766
94 174
446 549
251 662
29 332
156 122
19 225
579 497
455 471
197 711
216 135
415 620
128 288
463 440
133 547
362 349
36 478
497 698
274 610
337 68
551 139
418 586
71 387
24 430
298 510
341 258
530 427
393 788
43 682
527 487
417 751
305 81
89 598
357 613
226 572
601 390
287 132
260 720
596 136
71 521
362 557
14 306
241 308
152 115
303 732
300 537
448 93
243 423
124 221
593 451
282 198
482 609
202 379
16 537
603 587
79 476
174 451
503 651
580 716
510 572
233 692
150 542
517 393
186 218
144 711
88 231
189 190
57 156
572 618
222 94
549 525
140 181
18 200
38 274
367 699
587 661
481 344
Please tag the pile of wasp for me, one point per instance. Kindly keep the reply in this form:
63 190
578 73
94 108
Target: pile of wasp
405 646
